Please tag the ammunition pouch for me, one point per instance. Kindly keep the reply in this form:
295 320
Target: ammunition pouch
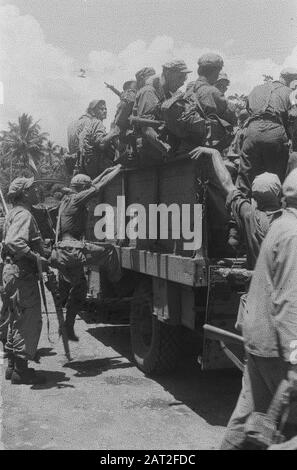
67 255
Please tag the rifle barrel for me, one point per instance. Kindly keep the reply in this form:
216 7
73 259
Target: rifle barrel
3 202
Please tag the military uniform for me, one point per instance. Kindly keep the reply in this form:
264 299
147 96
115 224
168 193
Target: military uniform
211 100
185 122
21 241
148 105
72 253
74 130
266 142
95 159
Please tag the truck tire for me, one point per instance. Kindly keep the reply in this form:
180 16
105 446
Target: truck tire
155 344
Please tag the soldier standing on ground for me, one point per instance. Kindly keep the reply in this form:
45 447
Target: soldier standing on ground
266 140
270 322
21 245
72 253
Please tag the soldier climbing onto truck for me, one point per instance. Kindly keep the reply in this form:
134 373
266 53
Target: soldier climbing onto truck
253 217
71 252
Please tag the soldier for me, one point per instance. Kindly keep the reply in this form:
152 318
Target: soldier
71 252
253 218
270 322
148 103
121 124
207 94
22 244
128 85
143 75
75 128
222 83
266 139
95 145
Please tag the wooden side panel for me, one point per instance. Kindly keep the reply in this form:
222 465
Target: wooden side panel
177 186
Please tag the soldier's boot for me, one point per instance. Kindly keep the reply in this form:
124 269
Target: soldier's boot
70 333
23 375
10 366
69 326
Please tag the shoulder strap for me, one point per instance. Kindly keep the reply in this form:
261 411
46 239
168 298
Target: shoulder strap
269 93
59 220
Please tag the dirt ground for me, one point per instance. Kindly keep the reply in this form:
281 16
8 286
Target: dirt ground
100 400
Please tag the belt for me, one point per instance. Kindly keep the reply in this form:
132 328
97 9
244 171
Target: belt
265 117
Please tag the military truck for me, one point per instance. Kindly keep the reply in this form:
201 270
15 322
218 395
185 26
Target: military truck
168 283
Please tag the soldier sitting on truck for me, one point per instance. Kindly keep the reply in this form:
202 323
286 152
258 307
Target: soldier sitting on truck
74 130
72 253
121 126
95 145
189 126
212 101
154 147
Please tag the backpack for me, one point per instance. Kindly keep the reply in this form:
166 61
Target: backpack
185 118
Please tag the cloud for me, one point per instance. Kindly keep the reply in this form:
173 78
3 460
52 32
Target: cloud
42 79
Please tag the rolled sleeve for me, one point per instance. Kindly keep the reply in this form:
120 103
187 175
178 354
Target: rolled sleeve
18 235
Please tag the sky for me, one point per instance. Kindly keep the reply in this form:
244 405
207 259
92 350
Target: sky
44 43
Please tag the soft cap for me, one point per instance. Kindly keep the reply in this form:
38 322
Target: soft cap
19 185
211 59
177 65
266 189
81 180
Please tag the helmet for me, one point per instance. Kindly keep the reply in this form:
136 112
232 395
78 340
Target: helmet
81 180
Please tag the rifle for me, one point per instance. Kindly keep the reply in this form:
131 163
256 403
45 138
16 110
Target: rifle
3 202
113 88
144 122
263 429
223 336
52 286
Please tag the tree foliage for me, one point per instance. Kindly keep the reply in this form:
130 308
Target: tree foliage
25 151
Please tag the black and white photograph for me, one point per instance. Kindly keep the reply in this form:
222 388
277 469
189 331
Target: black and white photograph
148 228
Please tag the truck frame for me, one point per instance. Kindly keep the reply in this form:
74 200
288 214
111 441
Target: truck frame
170 288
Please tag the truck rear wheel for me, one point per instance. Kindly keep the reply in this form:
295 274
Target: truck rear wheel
155 345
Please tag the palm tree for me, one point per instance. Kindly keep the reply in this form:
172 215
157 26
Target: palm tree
51 150
23 144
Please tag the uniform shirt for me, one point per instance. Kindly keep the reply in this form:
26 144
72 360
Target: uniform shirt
270 320
210 98
124 109
74 130
270 98
73 213
149 99
95 159
184 120
20 236
253 223
148 105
